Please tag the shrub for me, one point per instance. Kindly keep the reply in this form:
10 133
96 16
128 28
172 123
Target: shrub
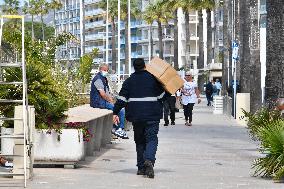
272 144
267 127
261 119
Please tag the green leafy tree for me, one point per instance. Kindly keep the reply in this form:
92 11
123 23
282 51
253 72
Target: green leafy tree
45 92
11 7
86 64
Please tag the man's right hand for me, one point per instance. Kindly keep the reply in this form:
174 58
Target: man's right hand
115 119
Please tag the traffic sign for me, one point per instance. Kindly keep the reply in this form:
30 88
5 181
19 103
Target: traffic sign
235 52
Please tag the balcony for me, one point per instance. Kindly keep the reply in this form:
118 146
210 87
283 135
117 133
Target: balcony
94 12
193 37
135 24
98 60
96 24
134 55
90 48
215 66
88 2
94 37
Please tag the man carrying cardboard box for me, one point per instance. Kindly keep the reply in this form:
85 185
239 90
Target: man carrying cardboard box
142 95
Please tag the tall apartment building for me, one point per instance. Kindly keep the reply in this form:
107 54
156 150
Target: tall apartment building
94 34
68 19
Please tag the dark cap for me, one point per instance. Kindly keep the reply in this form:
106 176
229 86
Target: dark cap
138 64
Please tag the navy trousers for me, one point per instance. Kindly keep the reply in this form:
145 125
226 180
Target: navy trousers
146 139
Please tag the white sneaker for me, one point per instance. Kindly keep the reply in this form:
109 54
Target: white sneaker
121 133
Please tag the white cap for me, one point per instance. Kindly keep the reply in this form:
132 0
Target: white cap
188 73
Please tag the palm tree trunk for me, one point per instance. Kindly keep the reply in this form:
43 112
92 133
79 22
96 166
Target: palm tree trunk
275 50
255 76
209 37
187 41
244 47
126 47
200 60
113 45
33 31
237 33
160 35
229 41
226 46
54 24
176 66
42 26
151 41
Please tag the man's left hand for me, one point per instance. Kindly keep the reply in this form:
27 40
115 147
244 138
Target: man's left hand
115 119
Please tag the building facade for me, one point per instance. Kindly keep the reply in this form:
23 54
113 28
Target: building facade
68 19
93 33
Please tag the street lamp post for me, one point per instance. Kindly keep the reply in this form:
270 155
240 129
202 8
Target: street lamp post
129 37
107 42
118 39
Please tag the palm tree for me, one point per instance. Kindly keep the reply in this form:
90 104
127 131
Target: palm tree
275 60
43 7
255 75
173 6
149 17
244 47
186 6
200 60
161 15
134 13
226 45
209 5
11 7
55 5
112 11
31 8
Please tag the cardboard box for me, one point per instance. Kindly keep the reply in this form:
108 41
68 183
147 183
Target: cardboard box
166 74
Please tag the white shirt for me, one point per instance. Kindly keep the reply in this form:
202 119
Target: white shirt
188 94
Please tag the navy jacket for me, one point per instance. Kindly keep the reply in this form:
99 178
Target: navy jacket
96 101
141 95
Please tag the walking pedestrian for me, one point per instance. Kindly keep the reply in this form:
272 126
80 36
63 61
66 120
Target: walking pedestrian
209 93
142 96
170 107
100 97
190 94
218 86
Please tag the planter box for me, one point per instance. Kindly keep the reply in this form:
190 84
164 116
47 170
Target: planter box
48 148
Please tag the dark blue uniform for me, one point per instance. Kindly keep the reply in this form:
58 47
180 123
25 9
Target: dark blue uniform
141 94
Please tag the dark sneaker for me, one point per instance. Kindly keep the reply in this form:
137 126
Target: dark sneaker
141 171
173 123
149 171
166 123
